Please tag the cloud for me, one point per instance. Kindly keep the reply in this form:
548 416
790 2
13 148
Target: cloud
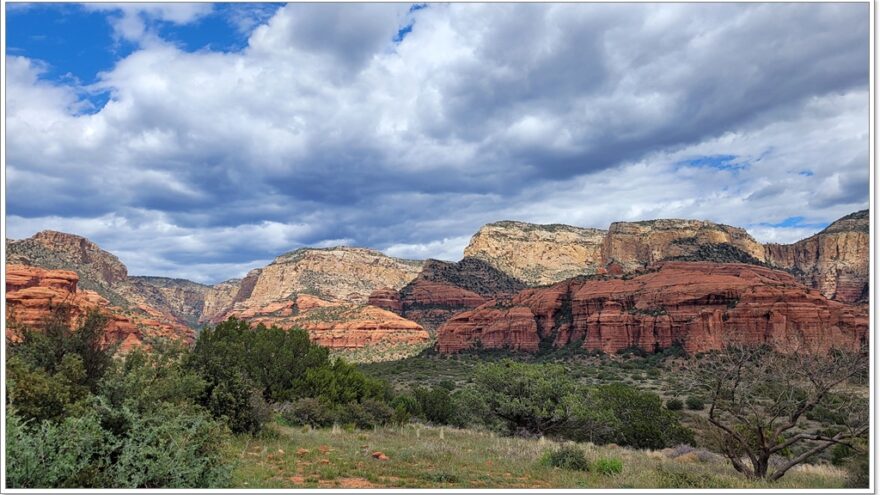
134 21
324 129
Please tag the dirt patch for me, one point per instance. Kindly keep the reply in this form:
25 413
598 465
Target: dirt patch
347 483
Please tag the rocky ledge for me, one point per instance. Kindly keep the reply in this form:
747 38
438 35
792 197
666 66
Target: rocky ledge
32 294
699 305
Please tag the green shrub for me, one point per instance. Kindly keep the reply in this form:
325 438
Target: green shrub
366 414
566 457
144 380
71 454
53 370
529 398
240 403
608 466
858 469
405 407
40 395
674 405
694 403
640 420
680 478
275 360
169 447
435 404
46 348
470 409
342 383
307 411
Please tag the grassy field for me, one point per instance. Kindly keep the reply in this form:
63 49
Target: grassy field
421 456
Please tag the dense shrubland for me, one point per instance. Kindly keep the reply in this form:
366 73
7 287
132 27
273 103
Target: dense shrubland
78 417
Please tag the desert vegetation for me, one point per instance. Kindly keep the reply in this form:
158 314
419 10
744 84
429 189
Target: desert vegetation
256 406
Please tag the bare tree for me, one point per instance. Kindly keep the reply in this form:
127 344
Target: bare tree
759 400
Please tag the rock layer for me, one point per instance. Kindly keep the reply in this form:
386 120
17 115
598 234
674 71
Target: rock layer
337 325
834 261
538 254
341 273
635 245
182 298
701 306
33 294
443 289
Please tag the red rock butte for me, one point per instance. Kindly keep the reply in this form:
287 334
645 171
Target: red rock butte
701 306
336 324
32 294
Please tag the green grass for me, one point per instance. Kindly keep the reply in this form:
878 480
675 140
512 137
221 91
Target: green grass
432 457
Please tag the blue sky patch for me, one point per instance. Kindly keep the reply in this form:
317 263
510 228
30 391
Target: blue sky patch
719 162
73 42
798 222
76 43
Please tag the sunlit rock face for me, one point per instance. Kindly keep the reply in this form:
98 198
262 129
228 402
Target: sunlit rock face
698 305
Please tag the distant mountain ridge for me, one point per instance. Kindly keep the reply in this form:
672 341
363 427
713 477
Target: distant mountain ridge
502 259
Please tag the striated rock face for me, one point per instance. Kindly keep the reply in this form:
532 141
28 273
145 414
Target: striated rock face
182 298
701 306
634 245
223 297
834 261
443 289
32 294
98 270
104 273
341 273
337 325
538 254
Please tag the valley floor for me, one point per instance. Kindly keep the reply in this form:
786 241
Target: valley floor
420 456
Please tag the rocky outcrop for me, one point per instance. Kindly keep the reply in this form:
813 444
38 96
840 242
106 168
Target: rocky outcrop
102 272
337 325
700 306
443 289
835 261
34 294
223 297
182 298
339 274
635 245
98 270
538 254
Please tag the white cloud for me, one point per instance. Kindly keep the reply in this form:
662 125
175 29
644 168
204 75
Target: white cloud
325 131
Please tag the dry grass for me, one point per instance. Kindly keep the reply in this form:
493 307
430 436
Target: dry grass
423 456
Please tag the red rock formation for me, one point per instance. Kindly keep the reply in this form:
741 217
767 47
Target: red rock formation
702 306
33 293
387 299
443 289
335 324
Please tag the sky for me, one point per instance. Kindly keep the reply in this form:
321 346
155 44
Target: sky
200 141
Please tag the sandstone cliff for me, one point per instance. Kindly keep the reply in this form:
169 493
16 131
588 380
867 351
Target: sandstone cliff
336 324
181 298
32 294
102 272
701 306
223 297
635 245
834 261
97 269
340 273
538 254
443 289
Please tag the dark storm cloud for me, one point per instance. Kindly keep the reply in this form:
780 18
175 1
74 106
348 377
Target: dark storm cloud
325 130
